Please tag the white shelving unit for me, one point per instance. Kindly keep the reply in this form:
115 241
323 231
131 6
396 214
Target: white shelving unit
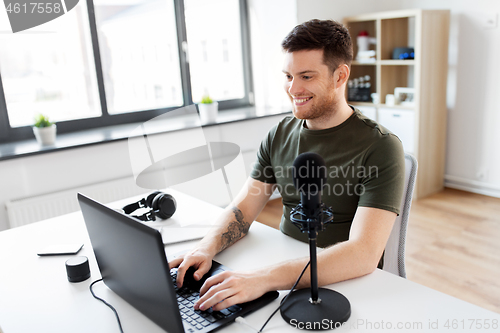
421 126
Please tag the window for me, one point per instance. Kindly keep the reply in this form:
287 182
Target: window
215 50
140 58
50 70
109 62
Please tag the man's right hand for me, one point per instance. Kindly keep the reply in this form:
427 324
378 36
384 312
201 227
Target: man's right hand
199 259
232 224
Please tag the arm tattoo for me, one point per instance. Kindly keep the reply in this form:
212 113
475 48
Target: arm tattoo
235 230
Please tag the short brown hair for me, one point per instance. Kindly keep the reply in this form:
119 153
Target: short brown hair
327 35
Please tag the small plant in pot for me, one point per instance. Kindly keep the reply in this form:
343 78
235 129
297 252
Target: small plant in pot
208 109
45 130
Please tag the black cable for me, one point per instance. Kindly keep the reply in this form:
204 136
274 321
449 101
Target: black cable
261 329
284 299
107 304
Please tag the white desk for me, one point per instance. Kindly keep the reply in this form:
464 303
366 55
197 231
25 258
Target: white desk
35 295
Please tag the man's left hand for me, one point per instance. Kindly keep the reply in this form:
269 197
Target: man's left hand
229 288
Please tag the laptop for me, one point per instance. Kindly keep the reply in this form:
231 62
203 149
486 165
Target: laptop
132 261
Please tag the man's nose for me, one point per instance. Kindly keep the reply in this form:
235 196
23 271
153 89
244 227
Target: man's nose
295 88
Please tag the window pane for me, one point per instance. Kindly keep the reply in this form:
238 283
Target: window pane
267 54
215 50
139 53
50 69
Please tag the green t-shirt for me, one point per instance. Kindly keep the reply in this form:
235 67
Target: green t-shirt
365 167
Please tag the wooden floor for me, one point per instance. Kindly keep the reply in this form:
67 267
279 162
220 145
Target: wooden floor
453 244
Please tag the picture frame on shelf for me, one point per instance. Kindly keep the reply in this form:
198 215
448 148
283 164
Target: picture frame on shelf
404 96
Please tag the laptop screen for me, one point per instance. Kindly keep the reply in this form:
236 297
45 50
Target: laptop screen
132 261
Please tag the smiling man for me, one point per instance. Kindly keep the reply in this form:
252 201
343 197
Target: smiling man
365 164
315 90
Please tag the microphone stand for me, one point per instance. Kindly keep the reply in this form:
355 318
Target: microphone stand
315 313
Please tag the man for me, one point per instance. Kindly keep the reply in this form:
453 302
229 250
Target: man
365 177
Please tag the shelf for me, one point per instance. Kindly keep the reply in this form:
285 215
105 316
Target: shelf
362 71
392 77
355 62
397 62
390 62
355 28
422 126
396 106
361 104
394 33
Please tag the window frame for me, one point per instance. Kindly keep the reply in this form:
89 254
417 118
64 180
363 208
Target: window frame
10 134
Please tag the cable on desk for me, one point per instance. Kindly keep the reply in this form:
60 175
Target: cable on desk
239 319
106 303
286 297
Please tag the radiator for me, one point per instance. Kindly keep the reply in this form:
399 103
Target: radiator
32 209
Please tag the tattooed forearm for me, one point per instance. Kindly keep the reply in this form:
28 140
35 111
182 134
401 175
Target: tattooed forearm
235 230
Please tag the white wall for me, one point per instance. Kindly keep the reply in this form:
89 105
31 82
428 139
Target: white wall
57 171
473 153
338 9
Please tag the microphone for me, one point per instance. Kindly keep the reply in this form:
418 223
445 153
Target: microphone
332 309
309 177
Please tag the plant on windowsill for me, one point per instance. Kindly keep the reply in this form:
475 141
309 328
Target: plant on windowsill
44 130
208 109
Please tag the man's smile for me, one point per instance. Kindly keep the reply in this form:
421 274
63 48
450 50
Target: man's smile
301 101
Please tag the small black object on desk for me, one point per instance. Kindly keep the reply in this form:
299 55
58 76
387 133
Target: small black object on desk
78 269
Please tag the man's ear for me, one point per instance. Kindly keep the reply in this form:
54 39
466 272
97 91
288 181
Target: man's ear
341 75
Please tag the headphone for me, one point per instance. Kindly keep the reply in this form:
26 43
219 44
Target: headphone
162 205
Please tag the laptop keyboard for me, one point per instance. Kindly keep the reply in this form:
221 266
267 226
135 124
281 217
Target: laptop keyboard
186 298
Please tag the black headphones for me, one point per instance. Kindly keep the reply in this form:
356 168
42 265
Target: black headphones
162 205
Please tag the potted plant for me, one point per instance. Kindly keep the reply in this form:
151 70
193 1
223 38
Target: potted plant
45 130
208 109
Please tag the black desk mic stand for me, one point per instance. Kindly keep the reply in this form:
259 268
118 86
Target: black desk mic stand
315 313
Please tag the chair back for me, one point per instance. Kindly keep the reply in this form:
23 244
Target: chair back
394 255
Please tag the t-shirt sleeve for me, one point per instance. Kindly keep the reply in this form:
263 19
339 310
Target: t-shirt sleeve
383 184
262 168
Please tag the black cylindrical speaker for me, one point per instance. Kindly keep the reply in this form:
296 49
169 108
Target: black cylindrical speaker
78 269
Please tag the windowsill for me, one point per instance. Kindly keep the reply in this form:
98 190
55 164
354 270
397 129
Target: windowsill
65 141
